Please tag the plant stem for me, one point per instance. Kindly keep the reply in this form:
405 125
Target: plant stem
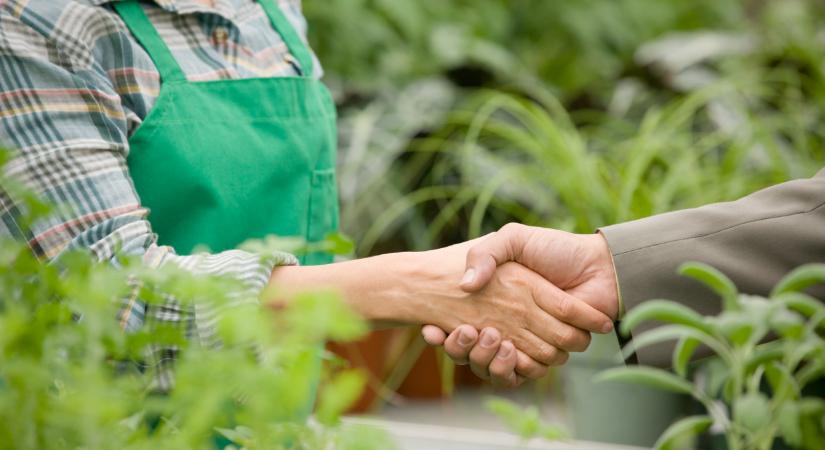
732 440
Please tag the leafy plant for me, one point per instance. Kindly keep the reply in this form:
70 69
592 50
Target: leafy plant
71 377
667 130
579 48
760 384
525 422
458 117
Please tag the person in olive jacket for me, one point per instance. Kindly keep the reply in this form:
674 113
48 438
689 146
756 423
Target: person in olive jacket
755 241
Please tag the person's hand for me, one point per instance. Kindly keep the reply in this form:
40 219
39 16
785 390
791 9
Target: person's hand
526 321
579 264
541 322
491 360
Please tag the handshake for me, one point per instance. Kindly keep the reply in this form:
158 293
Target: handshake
519 300
513 302
534 295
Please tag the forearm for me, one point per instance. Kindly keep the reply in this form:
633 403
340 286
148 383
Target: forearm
397 287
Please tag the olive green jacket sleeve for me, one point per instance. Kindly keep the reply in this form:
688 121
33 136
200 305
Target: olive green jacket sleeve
755 241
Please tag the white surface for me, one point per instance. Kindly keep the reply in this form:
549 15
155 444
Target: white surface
467 409
417 436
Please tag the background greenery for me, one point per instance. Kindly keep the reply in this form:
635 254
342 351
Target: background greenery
458 116
70 377
763 385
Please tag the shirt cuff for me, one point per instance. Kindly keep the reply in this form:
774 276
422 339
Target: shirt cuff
615 276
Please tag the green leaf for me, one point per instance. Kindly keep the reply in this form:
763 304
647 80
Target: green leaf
763 353
800 302
322 315
716 373
729 390
715 280
671 332
274 245
339 394
504 409
682 354
648 376
809 406
339 244
525 422
664 311
812 371
752 411
783 384
813 429
800 279
553 433
239 435
682 429
787 324
735 326
789 423
522 421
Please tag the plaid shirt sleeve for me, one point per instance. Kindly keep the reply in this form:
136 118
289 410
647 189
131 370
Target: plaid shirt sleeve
63 112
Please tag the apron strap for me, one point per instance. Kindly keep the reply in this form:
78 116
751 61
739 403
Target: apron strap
293 41
135 18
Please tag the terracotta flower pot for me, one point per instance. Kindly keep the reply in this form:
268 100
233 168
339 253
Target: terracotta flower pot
399 365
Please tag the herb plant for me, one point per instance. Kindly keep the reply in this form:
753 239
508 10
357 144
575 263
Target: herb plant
760 385
459 117
524 421
70 377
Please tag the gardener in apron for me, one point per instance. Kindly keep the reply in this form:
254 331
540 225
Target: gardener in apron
209 114
219 162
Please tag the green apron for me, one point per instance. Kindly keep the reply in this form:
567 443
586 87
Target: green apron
220 162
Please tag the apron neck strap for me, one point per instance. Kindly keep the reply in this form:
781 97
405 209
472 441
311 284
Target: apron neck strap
135 18
291 38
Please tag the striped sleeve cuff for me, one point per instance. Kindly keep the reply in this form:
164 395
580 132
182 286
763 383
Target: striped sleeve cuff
197 321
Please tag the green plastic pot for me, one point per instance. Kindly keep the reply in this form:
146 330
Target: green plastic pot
618 413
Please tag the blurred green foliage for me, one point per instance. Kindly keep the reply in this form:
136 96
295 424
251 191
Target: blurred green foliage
573 46
525 422
71 377
761 385
459 116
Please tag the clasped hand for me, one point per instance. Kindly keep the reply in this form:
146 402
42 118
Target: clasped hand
528 296
536 295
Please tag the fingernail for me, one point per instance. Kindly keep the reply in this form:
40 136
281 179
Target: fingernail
464 339
607 328
504 351
469 276
488 340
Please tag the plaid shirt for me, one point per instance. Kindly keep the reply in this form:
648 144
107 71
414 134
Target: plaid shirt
74 85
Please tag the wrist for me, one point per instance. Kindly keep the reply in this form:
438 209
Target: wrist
429 291
602 269
368 285
409 287
393 291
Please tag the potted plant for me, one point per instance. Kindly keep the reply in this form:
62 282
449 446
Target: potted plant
753 391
